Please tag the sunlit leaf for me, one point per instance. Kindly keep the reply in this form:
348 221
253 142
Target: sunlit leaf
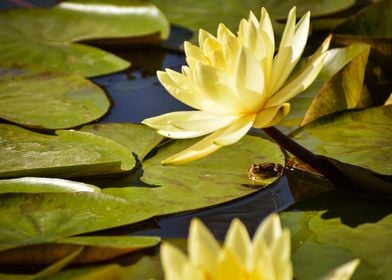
50 100
360 138
37 36
343 91
69 154
139 139
219 178
333 228
96 249
337 63
41 185
27 219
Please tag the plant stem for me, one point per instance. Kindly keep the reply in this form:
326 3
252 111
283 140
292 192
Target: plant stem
322 165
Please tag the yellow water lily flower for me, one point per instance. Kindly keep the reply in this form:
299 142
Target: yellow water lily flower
236 82
266 257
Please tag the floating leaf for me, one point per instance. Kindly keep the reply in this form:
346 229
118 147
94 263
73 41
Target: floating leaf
50 100
48 45
207 15
69 154
332 228
360 138
96 249
41 185
218 178
139 139
27 219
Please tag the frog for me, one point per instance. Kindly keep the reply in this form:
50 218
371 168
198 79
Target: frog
262 171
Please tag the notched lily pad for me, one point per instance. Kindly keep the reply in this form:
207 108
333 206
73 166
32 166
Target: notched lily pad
51 100
139 139
48 42
69 154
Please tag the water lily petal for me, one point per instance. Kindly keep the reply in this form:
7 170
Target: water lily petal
213 142
202 246
231 46
269 231
342 272
266 27
249 73
234 132
238 241
271 116
213 51
184 89
203 35
193 54
173 261
301 36
282 67
216 85
229 266
280 253
188 122
304 78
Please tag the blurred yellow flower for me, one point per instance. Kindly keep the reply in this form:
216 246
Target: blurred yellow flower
266 257
236 82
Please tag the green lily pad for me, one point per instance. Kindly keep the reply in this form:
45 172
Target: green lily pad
69 154
127 134
28 219
150 190
374 20
51 100
48 42
221 177
310 103
96 249
207 15
333 228
360 138
41 185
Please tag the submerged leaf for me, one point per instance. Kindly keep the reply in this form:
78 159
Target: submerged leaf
47 44
51 100
69 154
